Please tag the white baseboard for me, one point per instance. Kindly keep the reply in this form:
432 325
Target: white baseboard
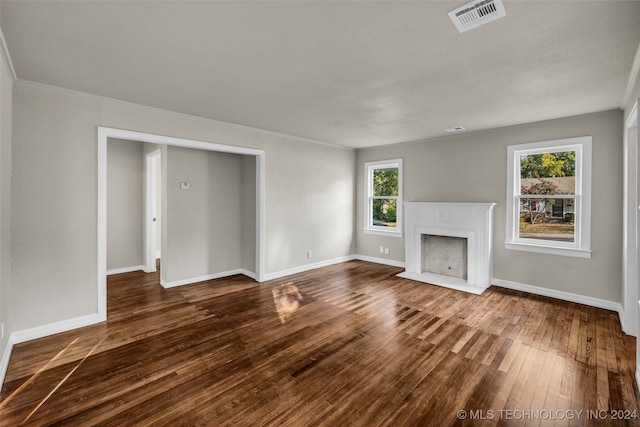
566 296
307 267
220 275
249 274
125 269
42 331
623 323
4 362
54 328
384 261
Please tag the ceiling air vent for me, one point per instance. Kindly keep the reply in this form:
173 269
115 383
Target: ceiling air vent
476 13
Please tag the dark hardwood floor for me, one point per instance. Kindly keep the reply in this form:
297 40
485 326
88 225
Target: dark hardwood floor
350 344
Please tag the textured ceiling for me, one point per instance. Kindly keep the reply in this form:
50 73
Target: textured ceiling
350 73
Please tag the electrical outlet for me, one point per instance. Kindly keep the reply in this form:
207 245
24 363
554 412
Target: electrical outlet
309 254
386 251
381 249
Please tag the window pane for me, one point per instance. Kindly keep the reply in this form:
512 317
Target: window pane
384 212
548 173
385 182
547 219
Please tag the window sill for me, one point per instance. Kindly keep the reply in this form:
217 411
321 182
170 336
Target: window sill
397 234
549 250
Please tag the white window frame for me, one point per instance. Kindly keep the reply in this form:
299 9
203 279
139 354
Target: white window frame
581 247
369 228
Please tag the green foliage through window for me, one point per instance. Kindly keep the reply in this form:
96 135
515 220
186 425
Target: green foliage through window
385 182
384 212
548 165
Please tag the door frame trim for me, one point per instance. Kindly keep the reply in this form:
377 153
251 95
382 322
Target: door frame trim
631 215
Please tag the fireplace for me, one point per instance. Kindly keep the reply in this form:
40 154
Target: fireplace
449 244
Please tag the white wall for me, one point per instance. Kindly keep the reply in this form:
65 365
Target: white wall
473 168
125 200
309 195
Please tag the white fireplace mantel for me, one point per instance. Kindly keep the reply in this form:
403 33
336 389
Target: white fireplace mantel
472 221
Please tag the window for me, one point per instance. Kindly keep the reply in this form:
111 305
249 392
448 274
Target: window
549 197
383 197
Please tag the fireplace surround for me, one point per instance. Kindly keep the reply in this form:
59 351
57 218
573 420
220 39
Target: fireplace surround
468 222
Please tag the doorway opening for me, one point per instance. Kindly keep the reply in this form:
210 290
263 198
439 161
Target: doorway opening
104 133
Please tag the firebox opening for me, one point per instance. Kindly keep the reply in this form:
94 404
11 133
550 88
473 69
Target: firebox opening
444 255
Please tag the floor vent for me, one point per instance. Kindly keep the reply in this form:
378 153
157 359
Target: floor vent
476 13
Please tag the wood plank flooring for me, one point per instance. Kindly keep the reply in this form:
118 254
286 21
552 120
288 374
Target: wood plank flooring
346 345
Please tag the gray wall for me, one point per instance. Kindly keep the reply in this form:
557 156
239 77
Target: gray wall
309 195
54 206
125 200
6 85
472 168
204 223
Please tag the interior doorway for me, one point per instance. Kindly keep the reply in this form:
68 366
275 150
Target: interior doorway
104 133
152 217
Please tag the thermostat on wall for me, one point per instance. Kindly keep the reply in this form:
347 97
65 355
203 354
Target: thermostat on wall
185 185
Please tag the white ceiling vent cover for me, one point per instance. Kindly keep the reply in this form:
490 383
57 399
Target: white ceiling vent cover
476 13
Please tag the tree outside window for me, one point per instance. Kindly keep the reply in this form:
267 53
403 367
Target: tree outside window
385 196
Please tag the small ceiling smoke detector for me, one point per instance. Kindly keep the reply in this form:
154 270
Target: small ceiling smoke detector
477 13
455 129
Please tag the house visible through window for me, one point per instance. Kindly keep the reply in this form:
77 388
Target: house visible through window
547 188
384 197
549 197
